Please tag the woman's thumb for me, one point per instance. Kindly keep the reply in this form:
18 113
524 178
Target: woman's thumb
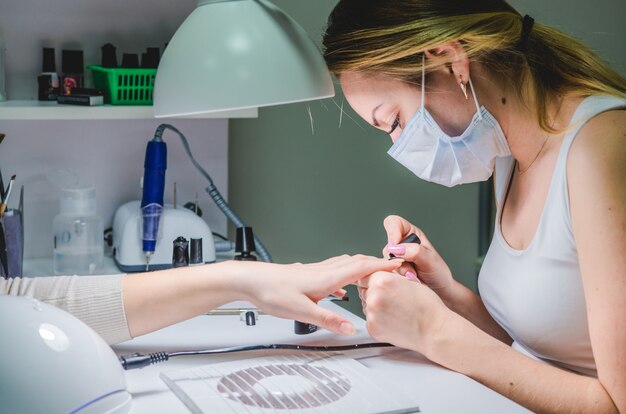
394 227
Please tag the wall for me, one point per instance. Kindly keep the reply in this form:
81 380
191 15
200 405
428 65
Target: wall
28 25
314 195
599 24
107 154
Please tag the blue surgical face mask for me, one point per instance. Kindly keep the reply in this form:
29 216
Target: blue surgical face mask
434 156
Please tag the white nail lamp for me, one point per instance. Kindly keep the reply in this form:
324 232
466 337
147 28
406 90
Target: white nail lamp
51 362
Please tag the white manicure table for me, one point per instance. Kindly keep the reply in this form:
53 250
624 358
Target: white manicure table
433 388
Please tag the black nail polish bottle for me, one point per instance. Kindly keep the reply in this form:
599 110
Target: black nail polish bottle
48 80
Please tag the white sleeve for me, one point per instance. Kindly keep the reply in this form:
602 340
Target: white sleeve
96 300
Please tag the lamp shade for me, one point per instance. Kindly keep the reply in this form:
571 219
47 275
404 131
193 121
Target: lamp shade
238 54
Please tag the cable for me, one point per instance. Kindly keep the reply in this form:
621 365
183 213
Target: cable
238 222
222 246
136 360
213 191
220 236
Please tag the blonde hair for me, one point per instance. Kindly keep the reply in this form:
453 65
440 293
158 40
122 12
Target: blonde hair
389 37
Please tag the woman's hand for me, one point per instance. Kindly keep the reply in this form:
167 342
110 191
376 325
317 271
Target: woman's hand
420 259
403 312
292 291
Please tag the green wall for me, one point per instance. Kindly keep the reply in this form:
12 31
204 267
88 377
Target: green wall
310 196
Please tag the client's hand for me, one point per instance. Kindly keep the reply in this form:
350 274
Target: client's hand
292 291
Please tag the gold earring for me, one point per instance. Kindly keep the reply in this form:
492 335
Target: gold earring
464 89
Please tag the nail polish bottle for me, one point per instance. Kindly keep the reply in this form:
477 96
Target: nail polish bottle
130 60
301 328
48 79
150 59
411 238
195 252
72 65
244 244
109 56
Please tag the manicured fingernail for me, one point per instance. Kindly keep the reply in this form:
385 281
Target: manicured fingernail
411 276
346 328
397 249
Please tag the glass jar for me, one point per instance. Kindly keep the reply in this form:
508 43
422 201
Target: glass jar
78 234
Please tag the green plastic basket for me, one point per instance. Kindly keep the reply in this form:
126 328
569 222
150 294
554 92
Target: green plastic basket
125 86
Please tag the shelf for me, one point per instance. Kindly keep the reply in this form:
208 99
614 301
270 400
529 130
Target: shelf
37 110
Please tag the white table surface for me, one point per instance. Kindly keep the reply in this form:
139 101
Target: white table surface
434 389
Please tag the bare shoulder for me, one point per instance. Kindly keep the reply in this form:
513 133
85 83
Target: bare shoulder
596 173
600 147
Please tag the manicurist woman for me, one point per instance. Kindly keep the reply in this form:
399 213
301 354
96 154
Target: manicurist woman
471 89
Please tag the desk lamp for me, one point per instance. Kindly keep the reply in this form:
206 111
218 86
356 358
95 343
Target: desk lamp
237 54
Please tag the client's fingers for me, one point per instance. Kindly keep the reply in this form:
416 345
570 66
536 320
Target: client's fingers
340 293
363 282
362 266
406 267
334 260
315 314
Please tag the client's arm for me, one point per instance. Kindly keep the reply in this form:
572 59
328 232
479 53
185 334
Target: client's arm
120 307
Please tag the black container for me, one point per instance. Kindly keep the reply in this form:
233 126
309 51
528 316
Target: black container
48 80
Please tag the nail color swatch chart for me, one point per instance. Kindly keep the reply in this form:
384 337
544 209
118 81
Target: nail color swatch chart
305 383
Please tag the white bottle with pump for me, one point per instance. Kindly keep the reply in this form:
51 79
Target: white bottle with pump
78 234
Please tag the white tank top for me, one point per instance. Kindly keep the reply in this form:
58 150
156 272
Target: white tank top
536 294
